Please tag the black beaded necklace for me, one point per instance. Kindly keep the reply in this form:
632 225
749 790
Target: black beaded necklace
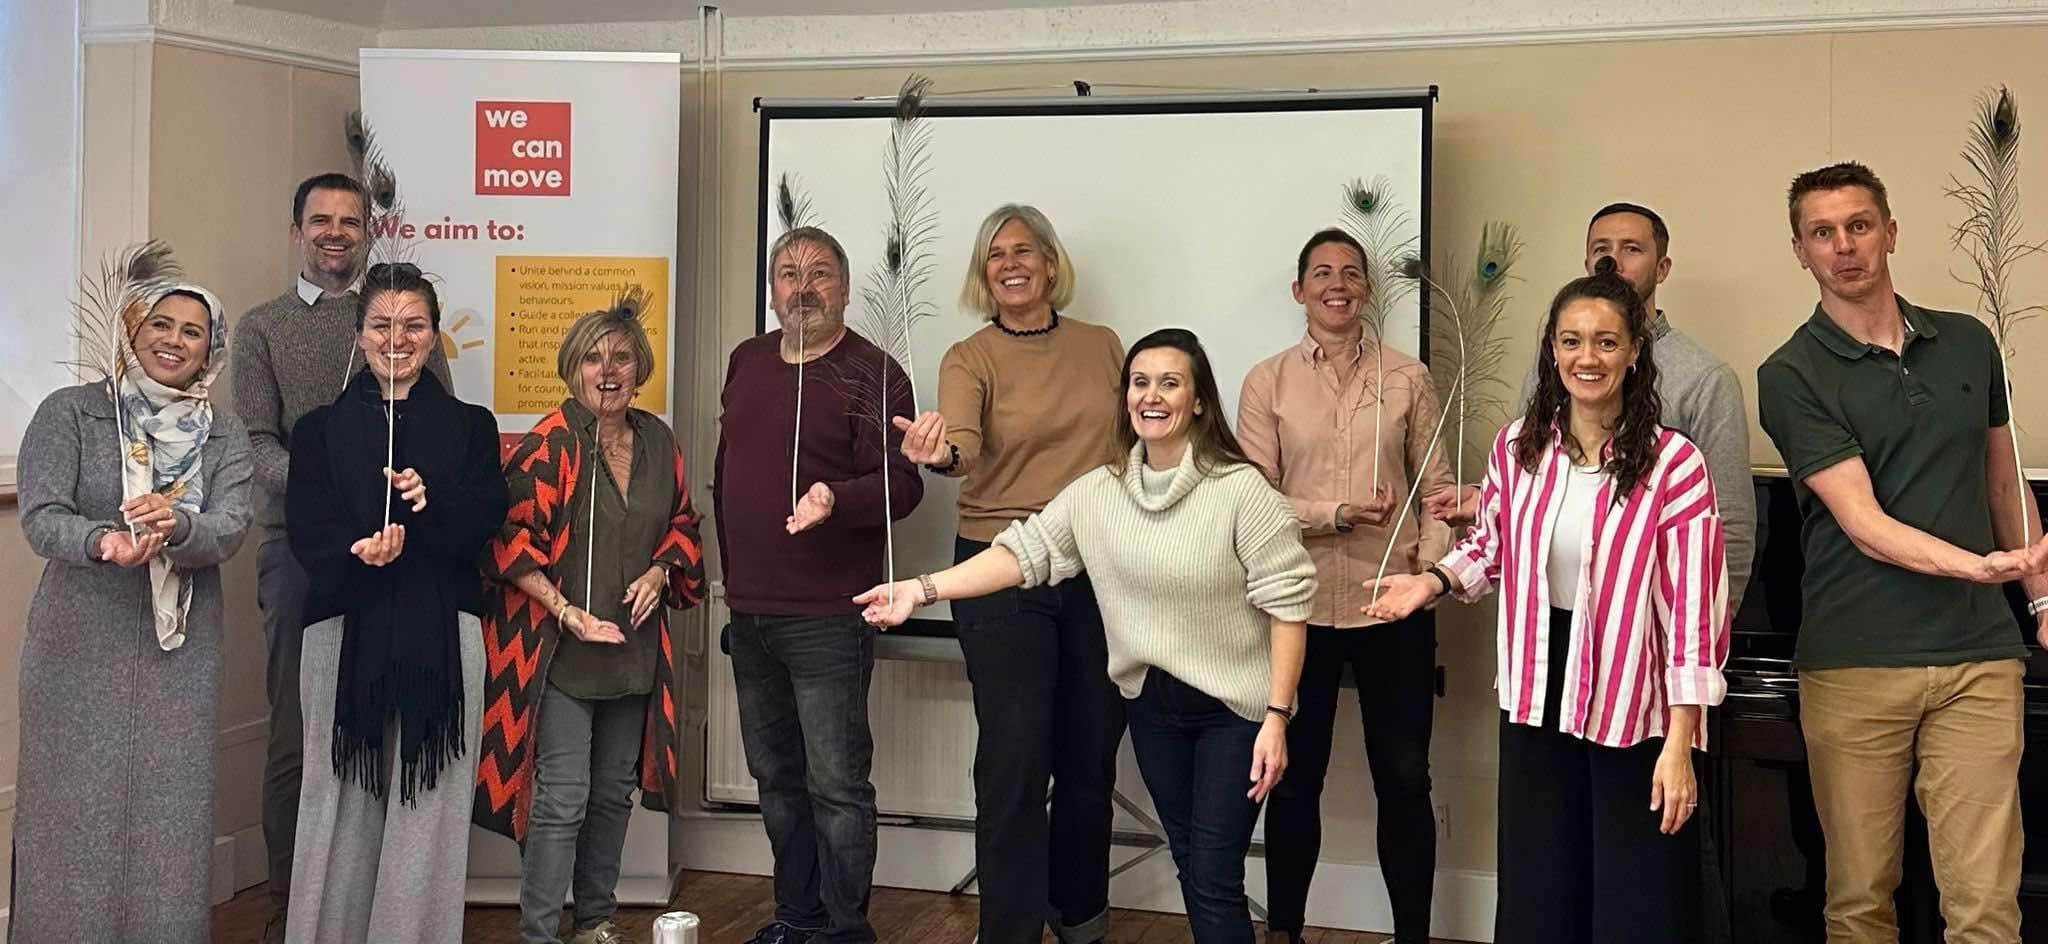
1013 332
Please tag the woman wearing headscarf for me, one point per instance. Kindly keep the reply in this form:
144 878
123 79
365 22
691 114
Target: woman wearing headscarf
134 490
600 543
393 490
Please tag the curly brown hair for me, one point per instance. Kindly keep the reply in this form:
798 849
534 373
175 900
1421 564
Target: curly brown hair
1635 430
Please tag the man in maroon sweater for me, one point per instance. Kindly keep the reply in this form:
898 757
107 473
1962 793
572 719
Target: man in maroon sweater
795 554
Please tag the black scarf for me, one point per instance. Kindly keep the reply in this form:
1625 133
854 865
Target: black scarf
401 659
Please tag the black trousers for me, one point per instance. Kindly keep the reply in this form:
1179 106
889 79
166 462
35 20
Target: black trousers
1581 859
1038 660
1395 666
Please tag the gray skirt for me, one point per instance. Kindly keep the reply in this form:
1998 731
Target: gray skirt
369 869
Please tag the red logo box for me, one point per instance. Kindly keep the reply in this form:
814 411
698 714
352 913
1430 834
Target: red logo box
522 149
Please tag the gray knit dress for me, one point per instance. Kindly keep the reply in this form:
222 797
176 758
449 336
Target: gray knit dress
114 809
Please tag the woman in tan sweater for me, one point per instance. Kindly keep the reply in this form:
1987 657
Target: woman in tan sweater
1026 405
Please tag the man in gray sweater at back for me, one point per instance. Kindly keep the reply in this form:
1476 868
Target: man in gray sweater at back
291 354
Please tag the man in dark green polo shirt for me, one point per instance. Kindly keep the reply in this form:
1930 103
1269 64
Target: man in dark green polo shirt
1892 420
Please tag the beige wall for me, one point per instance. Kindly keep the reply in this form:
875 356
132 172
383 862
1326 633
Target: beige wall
1708 131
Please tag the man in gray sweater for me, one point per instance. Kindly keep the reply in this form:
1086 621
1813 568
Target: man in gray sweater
291 354
1702 398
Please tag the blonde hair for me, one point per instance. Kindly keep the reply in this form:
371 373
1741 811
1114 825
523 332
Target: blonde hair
621 318
974 293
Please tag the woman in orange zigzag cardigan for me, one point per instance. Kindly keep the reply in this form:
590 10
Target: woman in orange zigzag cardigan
600 536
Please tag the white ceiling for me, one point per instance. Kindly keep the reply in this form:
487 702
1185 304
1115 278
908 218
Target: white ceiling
461 14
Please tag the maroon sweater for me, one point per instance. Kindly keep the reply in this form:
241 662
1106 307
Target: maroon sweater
768 571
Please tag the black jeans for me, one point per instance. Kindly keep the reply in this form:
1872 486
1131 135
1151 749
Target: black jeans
1395 666
803 699
1581 860
1195 755
1038 660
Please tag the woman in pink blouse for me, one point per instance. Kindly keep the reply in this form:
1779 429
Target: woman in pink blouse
1600 529
1340 424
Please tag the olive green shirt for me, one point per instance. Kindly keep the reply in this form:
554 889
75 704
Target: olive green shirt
607 553
1919 421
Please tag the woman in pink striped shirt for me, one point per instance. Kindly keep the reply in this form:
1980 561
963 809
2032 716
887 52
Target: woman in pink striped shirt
1600 529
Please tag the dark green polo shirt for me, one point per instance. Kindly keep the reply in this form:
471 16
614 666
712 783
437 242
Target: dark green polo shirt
1919 422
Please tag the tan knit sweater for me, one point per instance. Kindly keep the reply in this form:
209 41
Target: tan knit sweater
1189 571
1028 415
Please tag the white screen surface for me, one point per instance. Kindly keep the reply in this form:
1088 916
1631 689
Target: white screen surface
1176 212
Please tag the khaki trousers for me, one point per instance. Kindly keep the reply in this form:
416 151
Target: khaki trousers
1962 725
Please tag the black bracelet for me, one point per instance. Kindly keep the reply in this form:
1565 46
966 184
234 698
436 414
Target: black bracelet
1286 714
1443 578
951 464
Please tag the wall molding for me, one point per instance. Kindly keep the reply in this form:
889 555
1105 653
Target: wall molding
766 43
185 39
761 44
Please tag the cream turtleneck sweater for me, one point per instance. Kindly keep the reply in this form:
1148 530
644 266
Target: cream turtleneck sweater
1187 569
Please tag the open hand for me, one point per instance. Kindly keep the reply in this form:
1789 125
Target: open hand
150 511
1269 757
380 548
645 592
410 488
1399 595
1458 508
889 604
121 549
924 440
811 510
588 628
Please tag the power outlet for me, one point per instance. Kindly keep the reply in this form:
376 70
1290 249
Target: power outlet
1443 821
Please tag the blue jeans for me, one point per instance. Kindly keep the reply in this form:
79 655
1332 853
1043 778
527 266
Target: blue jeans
803 699
587 758
1196 755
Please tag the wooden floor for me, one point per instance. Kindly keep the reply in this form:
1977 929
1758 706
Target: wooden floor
734 906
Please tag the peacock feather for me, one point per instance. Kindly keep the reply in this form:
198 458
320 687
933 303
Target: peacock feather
1373 217
386 210
110 307
792 206
893 300
1990 235
1466 350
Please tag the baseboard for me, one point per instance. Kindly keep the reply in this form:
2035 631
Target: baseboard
633 891
221 870
1349 896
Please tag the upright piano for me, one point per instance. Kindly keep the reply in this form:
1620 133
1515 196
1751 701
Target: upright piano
1767 837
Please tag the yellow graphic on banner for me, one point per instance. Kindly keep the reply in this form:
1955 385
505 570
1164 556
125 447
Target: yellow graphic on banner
539 297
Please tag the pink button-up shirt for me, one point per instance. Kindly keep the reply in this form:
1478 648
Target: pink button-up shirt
1650 617
1316 438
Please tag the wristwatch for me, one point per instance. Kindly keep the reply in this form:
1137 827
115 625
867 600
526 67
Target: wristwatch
1337 521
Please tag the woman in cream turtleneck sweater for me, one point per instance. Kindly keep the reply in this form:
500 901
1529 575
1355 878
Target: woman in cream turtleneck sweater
1205 635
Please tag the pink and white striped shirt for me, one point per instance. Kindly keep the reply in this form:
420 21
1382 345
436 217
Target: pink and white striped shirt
1650 619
